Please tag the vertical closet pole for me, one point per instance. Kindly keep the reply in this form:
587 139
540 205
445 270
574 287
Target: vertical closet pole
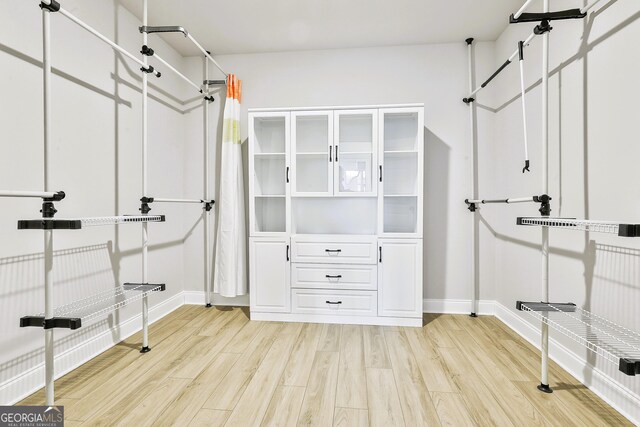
474 185
48 234
207 198
145 230
544 346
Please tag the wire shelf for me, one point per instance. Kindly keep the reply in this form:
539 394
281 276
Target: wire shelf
79 223
610 341
103 302
611 227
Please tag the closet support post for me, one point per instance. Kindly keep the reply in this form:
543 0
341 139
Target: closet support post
48 234
145 231
474 184
544 344
207 208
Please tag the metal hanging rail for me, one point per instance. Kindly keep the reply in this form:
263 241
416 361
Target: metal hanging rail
54 6
146 29
59 195
470 98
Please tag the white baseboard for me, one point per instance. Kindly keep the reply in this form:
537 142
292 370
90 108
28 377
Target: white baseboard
456 306
27 383
197 298
616 395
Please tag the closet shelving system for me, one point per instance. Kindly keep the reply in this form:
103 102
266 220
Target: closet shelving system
72 315
612 342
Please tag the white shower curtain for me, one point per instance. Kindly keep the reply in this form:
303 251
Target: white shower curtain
230 278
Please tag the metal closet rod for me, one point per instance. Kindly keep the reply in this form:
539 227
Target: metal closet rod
509 200
54 195
54 6
502 67
178 29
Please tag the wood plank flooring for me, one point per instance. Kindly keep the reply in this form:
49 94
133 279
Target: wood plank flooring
215 367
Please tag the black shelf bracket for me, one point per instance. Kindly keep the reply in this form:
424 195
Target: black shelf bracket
468 100
209 98
548 16
630 366
144 287
567 307
56 322
47 224
208 204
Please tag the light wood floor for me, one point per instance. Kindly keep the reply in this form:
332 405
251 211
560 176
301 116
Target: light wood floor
213 367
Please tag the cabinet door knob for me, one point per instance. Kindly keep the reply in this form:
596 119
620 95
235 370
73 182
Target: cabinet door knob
333 250
287 252
287 174
334 302
380 249
330 150
328 276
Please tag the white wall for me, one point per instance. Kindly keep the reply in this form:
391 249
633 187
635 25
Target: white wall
433 74
593 172
96 140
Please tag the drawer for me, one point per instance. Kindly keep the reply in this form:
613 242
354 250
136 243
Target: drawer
334 276
340 303
334 249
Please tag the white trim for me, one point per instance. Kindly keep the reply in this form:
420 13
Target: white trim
27 383
331 107
344 320
198 298
456 306
616 395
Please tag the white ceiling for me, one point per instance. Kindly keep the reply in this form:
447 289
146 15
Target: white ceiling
249 26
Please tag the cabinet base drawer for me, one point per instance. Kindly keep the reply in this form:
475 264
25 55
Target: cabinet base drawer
345 303
334 249
334 276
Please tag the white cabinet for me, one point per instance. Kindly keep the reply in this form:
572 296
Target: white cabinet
335 200
400 277
270 285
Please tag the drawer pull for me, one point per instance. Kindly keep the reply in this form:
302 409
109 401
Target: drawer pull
334 302
333 250
338 276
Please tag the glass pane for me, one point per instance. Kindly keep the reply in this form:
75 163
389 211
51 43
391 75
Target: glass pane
400 131
269 175
355 173
312 134
333 215
270 134
400 173
356 133
312 174
270 214
400 214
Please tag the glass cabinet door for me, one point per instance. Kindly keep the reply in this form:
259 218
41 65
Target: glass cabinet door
400 168
355 153
312 153
268 170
